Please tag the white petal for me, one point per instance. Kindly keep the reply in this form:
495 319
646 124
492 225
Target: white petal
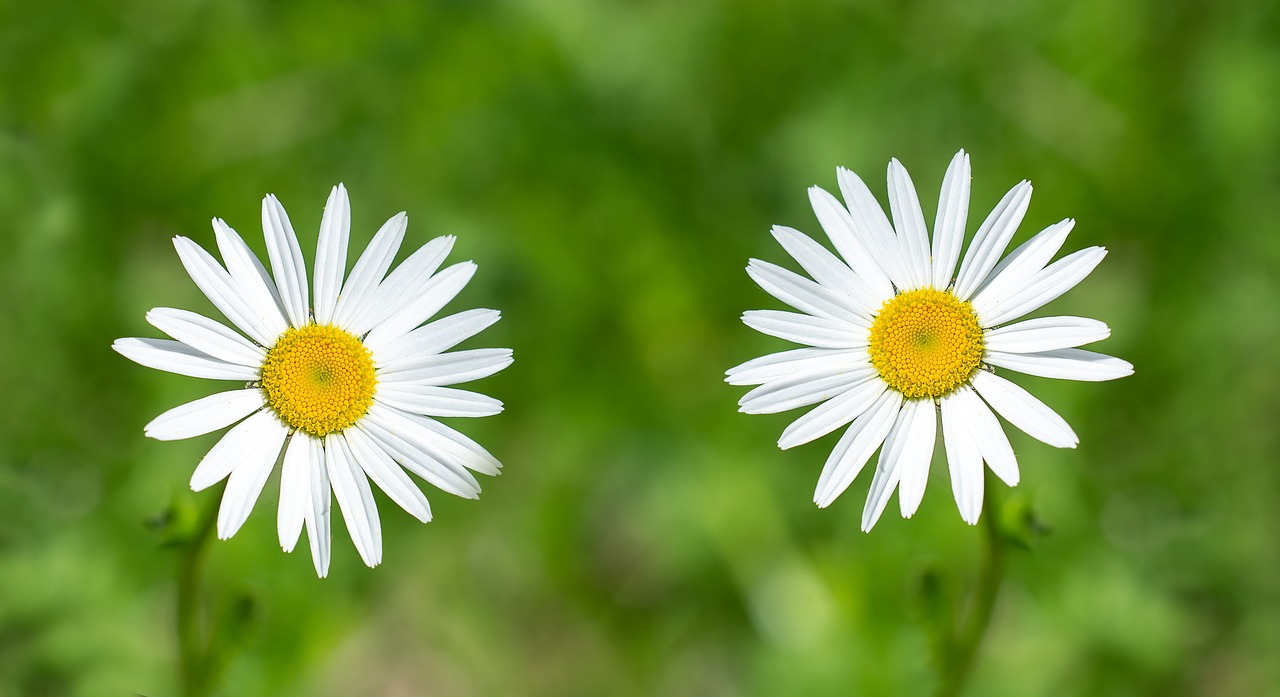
987 434
434 295
856 446
991 239
446 368
440 335
1064 364
948 226
758 371
908 221
250 278
355 498
372 265
249 439
205 415
802 293
418 450
832 414
872 226
295 492
225 294
848 240
250 474
318 507
437 401
207 336
917 457
797 391
331 253
1046 334
821 332
964 460
387 475
177 357
1021 264
888 473
454 444
407 283
1042 288
286 260
828 270
1023 410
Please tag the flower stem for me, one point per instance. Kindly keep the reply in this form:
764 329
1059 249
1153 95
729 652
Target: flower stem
193 646
960 652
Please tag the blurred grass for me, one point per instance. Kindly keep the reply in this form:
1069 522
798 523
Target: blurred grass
611 166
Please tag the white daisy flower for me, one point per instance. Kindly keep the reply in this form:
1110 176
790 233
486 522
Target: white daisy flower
895 337
344 381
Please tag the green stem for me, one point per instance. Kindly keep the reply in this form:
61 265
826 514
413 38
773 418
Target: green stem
193 646
970 629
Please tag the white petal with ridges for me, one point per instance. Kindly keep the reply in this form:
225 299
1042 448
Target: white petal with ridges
205 415
1023 410
964 460
889 469
1017 267
177 357
758 371
802 293
948 226
355 498
796 391
987 434
800 328
908 222
1064 364
369 271
454 444
286 261
446 368
1042 288
240 444
418 450
319 505
856 446
1046 334
917 457
389 477
832 414
872 226
440 335
828 270
434 295
250 278
430 400
295 492
406 284
244 486
217 285
331 253
991 239
207 336
855 251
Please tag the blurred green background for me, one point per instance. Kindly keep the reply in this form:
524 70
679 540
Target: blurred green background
611 166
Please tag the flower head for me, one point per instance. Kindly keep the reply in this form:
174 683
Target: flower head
897 339
340 376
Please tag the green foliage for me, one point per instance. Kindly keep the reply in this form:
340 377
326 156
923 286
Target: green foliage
611 166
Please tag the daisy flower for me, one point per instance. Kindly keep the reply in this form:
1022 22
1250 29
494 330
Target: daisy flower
896 339
340 377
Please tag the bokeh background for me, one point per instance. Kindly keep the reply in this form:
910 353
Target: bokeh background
611 166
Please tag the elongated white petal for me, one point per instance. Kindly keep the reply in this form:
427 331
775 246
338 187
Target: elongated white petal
802 293
224 293
407 284
457 446
822 332
295 492
205 415
318 508
888 468
389 477
1028 259
355 498
437 401
948 226
1044 287
177 357
434 295
856 446
1023 410
847 239
331 253
796 391
872 226
987 434
446 368
1064 364
418 450
760 370
247 479
369 270
286 261
991 239
828 270
1046 334
247 440
908 221
832 414
964 460
440 335
917 457
207 336
250 278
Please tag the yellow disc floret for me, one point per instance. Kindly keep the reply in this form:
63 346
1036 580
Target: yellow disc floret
319 379
926 343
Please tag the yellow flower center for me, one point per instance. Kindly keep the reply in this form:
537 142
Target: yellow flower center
926 343
319 379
